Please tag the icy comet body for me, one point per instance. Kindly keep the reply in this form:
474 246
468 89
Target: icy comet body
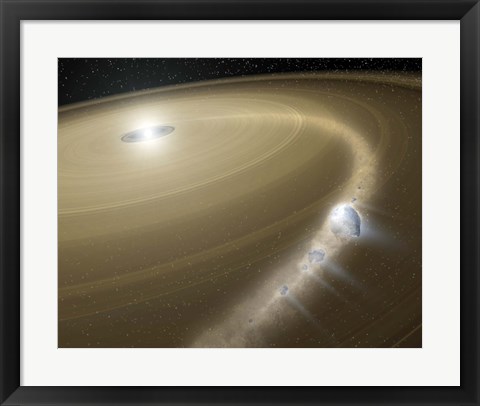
345 222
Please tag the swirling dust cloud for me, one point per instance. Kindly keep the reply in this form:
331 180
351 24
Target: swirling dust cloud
239 203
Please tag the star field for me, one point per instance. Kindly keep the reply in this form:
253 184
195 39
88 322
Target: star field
81 79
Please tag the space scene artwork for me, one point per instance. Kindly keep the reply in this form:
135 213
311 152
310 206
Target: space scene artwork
239 203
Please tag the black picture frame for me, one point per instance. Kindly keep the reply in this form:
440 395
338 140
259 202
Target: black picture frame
13 11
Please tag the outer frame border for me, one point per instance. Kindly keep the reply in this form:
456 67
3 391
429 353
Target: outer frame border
11 14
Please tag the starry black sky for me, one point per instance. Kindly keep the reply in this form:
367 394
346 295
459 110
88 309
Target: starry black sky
81 79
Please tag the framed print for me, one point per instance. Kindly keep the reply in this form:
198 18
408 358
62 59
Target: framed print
239 202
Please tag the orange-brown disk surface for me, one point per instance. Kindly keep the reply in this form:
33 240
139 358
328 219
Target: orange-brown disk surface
182 240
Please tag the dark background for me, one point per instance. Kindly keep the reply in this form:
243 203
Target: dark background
81 79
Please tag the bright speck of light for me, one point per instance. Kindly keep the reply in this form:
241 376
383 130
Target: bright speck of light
147 134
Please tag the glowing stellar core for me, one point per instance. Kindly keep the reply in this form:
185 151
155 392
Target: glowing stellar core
148 134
